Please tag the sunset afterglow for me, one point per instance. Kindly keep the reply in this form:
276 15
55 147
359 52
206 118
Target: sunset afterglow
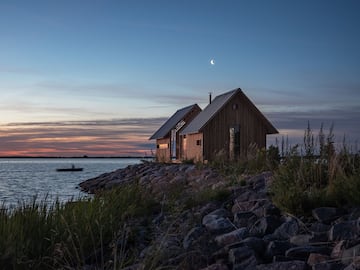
97 78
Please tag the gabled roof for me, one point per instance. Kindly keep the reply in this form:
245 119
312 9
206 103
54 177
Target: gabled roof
172 121
210 111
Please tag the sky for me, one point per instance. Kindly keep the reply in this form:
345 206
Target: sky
98 78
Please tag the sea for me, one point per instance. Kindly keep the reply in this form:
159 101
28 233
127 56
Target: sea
24 179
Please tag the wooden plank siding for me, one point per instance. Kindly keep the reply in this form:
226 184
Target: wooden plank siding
191 149
168 142
162 152
187 119
238 112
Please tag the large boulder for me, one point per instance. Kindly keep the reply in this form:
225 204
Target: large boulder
218 221
345 231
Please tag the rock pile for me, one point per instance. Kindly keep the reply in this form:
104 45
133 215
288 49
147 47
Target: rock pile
246 231
156 177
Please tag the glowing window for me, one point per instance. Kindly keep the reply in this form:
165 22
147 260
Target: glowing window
163 146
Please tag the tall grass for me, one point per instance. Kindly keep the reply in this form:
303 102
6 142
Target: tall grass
256 161
317 175
36 235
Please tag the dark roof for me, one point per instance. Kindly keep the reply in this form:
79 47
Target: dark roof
210 111
172 121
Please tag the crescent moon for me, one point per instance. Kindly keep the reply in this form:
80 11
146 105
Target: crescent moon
212 62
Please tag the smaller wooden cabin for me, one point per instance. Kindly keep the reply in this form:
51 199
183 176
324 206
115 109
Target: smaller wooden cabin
168 143
228 125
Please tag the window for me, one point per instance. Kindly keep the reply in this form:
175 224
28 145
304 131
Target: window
198 142
163 146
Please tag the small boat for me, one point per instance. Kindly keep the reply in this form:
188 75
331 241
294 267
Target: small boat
72 169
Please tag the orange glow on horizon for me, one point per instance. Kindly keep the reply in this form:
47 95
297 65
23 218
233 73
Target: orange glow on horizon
73 140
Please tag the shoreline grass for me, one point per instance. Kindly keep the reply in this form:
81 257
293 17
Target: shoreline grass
37 235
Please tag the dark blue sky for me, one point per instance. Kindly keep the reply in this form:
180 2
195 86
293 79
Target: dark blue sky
104 60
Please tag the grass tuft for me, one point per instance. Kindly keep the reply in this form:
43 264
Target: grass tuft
36 235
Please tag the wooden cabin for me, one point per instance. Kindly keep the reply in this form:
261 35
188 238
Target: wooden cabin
228 125
168 143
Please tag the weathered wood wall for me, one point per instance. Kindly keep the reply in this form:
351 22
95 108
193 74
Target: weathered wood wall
188 118
237 112
163 154
190 148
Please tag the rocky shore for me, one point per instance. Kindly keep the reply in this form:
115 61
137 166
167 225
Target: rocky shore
244 230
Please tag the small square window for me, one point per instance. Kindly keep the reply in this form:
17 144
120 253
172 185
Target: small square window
163 146
198 142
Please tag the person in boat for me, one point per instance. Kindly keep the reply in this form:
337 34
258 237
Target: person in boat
72 166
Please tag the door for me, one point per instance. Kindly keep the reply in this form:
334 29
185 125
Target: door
234 142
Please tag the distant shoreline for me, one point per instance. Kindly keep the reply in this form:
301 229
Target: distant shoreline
84 157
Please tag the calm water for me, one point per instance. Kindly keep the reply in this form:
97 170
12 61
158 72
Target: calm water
23 178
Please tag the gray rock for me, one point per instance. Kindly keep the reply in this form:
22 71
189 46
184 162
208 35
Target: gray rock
207 208
293 265
326 214
324 266
285 230
246 196
319 237
301 239
315 258
218 221
348 255
256 244
354 213
319 227
275 248
344 231
265 225
192 236
303 252
221 212
338 249
260 208
244 219
231 237
218 225
243 258
355 265
216 266
243 206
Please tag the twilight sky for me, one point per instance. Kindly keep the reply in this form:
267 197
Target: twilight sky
99 77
